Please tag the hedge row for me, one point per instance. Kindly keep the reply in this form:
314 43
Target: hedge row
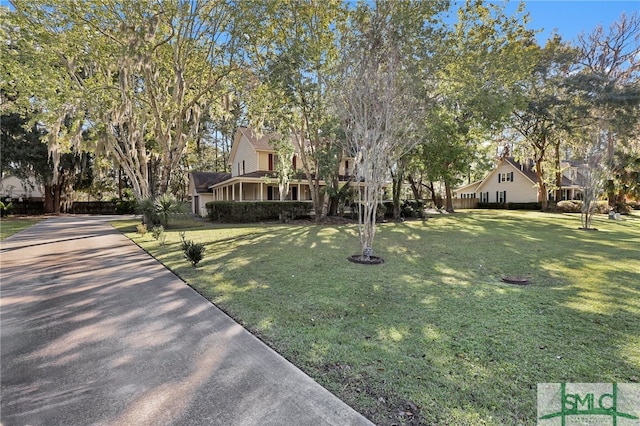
511 206
248 211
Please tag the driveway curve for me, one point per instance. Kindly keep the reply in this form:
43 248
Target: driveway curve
94 331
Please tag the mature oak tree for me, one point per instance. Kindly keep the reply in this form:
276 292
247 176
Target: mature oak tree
138 75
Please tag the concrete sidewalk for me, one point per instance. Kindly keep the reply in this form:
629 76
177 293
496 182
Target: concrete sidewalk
95 331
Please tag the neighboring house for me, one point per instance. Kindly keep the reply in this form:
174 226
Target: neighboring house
15 188
514 182
254 164
200 194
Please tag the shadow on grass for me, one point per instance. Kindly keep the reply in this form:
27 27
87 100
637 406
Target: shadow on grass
433 335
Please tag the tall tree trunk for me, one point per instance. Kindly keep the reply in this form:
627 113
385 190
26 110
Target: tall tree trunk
433 195
57 191
449 199
542 186
335 199
120 186
417 191
397 189
558 192
48 199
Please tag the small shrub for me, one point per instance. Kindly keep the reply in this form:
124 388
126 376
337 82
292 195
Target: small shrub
575 206
5 208
569 206
193 252
157 231
413 208
623 208
141 229
147 209
127 204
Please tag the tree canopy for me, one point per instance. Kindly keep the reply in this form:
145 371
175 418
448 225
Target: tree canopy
159 88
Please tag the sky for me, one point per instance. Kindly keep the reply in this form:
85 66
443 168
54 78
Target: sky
570 18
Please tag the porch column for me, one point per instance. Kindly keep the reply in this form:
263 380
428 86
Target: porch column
233 192
261 191
240 198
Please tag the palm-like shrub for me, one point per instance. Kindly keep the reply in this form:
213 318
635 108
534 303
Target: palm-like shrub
168 206
159 210
5 208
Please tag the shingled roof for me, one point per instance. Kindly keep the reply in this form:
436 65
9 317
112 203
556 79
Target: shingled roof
259 140
203 180
528 171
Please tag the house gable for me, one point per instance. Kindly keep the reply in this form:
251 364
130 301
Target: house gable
509 182
467 191
251 152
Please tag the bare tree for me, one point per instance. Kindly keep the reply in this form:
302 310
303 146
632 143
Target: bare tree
592 183
610 90
377 106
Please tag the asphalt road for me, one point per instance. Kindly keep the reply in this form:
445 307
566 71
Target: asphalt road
96 332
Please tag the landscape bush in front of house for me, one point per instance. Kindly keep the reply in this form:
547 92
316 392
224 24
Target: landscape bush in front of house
510 206
256 211
575 206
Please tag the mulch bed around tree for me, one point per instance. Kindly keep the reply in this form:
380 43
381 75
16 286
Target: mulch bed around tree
363 260
515 279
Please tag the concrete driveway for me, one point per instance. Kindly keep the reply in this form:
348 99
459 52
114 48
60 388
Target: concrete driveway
96 332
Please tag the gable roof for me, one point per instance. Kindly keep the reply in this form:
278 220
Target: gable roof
203 180
469 186
259 141
525 169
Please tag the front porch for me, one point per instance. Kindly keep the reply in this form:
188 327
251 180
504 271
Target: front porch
258 189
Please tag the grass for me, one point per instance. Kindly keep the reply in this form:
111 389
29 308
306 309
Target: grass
432 336
13 225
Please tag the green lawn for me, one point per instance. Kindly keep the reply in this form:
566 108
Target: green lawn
432 335
11 225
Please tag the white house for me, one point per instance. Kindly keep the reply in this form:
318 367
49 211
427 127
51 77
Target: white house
15 188
515 182
199 192
254 177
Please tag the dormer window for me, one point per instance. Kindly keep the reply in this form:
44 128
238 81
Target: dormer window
505 177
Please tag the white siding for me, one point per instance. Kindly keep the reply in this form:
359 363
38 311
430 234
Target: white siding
520 190
264 161
11 186
203 199
246 153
